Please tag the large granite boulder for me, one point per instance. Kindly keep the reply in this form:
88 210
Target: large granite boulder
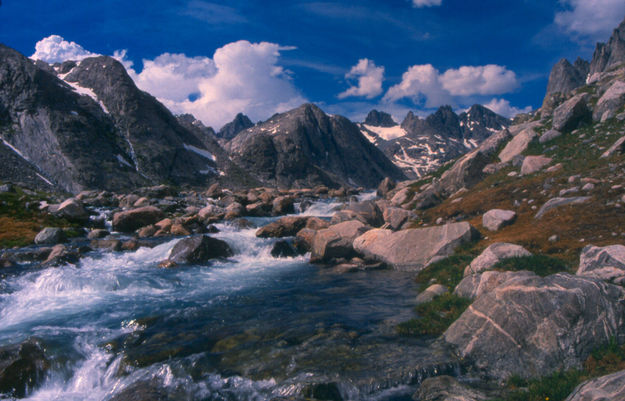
606 263
50 236
572 114
366 212
493 254
532 326
533 164
611 101
396 217
336 241
604 388
517 145
495 219
199 249
72 209
130 220
413 249
474 285
430 293
549 136
557 202
468 170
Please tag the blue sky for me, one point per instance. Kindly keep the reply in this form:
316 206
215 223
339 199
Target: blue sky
215 59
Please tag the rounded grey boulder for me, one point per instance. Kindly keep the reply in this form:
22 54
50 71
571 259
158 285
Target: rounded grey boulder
50 236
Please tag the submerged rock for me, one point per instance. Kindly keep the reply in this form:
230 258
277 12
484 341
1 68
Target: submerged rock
61 254
199 249
531 326
142 391
23 367
284 249
413 249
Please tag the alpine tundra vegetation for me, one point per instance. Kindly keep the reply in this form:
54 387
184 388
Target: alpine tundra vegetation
473 251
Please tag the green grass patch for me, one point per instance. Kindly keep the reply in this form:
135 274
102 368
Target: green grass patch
558 386
434 316
555 387
21 219
540 264
448 272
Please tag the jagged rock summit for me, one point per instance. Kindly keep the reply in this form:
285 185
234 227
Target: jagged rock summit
230 130
611 54
305 147
379 119
565 76
419 146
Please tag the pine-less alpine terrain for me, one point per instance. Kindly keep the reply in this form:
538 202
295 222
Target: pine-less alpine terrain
147 257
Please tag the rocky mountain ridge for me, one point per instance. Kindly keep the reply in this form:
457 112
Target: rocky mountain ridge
419 146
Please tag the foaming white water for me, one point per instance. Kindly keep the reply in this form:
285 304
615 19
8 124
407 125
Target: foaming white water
322 209
93 379
113 287
49 294
367 196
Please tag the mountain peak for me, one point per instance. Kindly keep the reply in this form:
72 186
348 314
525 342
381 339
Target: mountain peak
379 119
238 124
565 77
609 54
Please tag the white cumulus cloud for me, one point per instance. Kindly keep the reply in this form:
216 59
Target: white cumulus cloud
240 77
504 108
425 84
369 78
55 49
420 82
590 19
426 3
482 80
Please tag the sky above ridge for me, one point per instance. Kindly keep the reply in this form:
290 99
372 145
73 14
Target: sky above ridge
217 58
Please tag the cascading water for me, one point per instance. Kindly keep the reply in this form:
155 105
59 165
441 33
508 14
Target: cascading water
250 328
